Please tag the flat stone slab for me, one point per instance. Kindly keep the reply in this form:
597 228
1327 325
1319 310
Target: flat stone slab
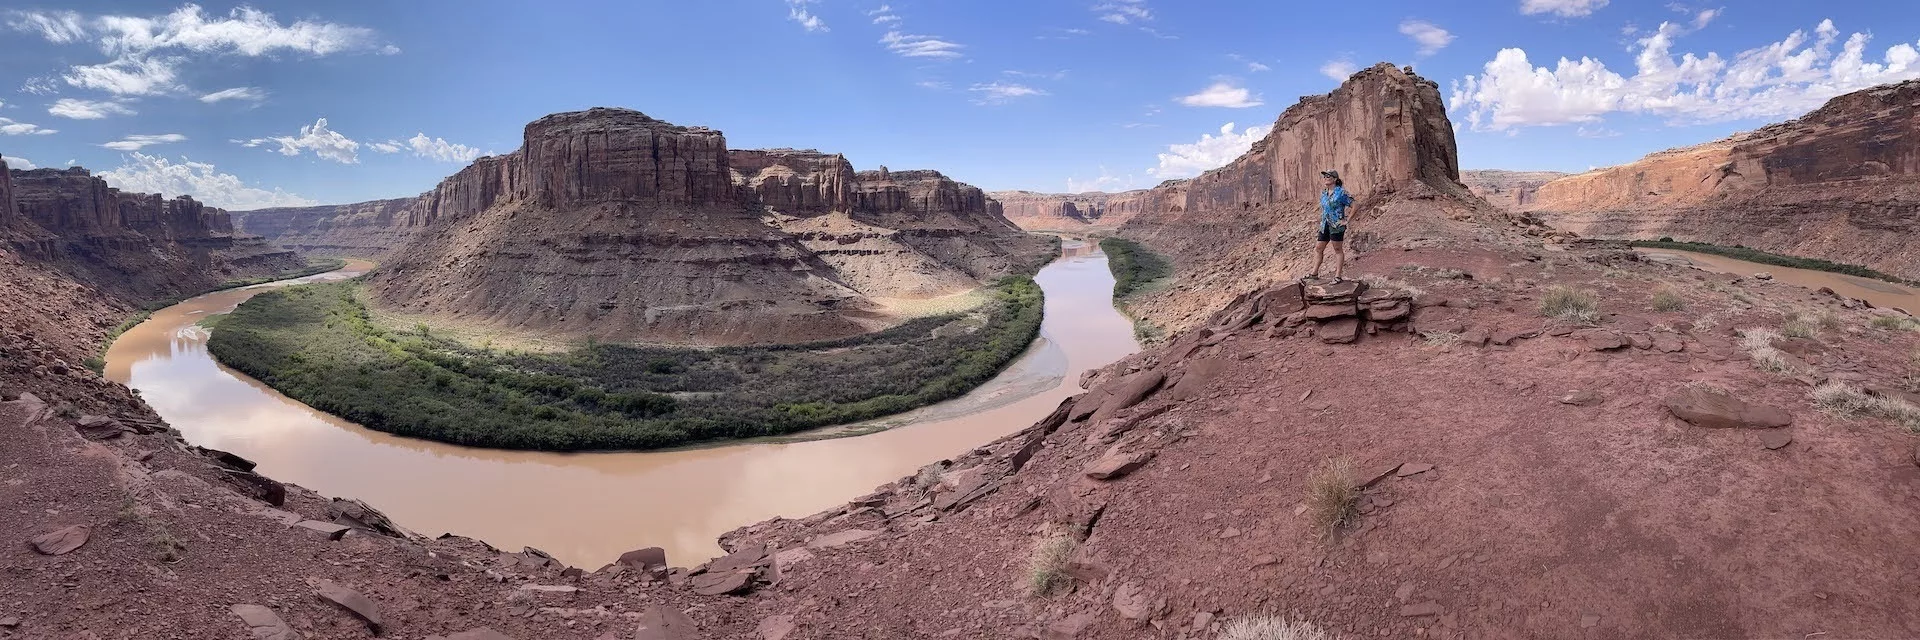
1703 407
263 623
841 538
62 541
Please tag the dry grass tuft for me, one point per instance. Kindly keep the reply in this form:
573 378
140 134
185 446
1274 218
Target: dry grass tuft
1913 371
1272 628
1895 323
1828 321
1377 281
1666 300
1047 569
1570 305
1758 343
1846 401
1438 339
1797 327
1331 497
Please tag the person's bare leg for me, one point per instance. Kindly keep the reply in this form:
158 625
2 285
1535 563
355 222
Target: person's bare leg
1339 260
1319 255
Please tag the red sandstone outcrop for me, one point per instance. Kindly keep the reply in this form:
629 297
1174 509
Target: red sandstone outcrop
611 224
361 229
1841 183
1385 130
1510 190
141 246
1070 211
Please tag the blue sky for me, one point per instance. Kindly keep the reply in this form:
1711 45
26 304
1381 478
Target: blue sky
227 101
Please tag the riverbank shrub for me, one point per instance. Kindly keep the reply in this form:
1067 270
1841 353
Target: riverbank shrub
318 344
1739 252
1133 266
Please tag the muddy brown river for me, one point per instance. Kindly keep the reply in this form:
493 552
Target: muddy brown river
587 508
1879 292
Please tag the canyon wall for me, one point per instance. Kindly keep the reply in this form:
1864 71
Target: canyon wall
613 225
1070 211
1385 130
1509 190
138 247
1840 183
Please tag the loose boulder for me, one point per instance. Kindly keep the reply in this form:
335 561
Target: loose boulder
1117 465
62 541
350 600
659 622
1704 407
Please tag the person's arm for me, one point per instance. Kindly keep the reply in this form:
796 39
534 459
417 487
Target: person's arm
1346 208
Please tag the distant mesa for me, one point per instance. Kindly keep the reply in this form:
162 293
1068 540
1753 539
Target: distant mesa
611 224
1841 183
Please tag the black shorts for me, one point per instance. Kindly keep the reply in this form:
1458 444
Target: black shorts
1333 234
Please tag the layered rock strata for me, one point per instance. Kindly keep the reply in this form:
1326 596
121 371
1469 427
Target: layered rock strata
610 224
1840 183
1510 190
141 247
1070 211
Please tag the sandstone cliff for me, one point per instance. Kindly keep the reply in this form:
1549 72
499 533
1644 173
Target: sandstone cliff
1070 211
1841 183
1385 130
611 224
362 229
1510 190
141 247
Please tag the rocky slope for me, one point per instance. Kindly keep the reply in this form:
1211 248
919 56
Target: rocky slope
1841 183
140 247
614 225
1633 472
1070 211
1510 190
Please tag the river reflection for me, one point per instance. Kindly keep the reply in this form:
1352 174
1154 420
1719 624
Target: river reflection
588 508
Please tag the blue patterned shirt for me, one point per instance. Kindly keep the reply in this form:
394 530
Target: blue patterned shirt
1333 207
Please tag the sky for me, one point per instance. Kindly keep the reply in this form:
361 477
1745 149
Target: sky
294 103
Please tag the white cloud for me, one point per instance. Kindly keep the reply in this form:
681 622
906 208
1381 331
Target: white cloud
1106 182
1429 36
797 12
146 51
1339 70
17 162
138 142
153 174
88 109
1222 94
1563 8
1784 78
59 27
130 76
1002 92
884 15
236 93
1257 67
441 150
1043 75
316 138
390 146
16 128
1123 11
1209 152
40 86
916 46
1700 20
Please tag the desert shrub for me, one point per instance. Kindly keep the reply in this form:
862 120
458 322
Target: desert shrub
1047 569
1133 266
1331 498
317 344
1797 327
1571 305
1438 339
1827 321
1668 300
1272 628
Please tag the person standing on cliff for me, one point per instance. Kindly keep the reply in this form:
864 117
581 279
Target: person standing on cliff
1334 203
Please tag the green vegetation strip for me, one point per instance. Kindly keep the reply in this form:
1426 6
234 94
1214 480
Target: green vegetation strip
1739 252
317 343
1134 267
